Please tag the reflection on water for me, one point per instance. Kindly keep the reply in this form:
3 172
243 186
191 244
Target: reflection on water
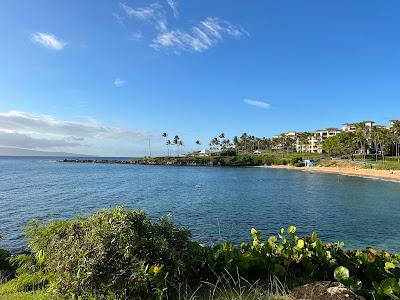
215 203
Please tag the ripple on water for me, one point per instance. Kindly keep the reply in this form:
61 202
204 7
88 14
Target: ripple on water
215 203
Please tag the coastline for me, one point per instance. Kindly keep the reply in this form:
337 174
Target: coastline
365 173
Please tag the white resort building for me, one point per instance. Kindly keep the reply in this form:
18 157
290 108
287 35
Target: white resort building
312 142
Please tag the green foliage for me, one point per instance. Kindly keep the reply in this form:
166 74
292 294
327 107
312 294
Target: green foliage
119 252
296 160
341 274
241 160
5 264
344 143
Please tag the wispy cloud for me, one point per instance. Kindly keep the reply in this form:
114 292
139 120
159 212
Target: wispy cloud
257 103
136 36
119 18
20 140
153 14
203 36
48 40
119 82
174 6
17 122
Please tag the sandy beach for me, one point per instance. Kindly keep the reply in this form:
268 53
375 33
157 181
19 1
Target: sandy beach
349 171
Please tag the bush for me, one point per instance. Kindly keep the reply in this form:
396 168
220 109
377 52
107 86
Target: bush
299 164
7 270
5 264
295 160
117 252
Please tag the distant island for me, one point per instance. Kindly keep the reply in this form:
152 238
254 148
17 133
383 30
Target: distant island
9 151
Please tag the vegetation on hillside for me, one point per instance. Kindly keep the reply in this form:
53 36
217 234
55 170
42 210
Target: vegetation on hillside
119 254
241 160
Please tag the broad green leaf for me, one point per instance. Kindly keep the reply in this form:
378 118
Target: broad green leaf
389 265
341 274
390 286
291 229
272 240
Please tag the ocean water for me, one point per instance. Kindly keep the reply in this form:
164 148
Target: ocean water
216 204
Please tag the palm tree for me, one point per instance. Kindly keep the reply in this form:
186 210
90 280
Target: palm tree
180 145
375 135
198 143
362 135
165 135
176 142
236 144
168 143
395 130
384 140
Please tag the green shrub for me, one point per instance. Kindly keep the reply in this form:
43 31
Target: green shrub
117 252
5 264
295 160
299 164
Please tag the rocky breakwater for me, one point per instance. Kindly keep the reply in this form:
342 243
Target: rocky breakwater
161 162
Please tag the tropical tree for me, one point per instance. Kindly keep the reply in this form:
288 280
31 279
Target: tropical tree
236 144
168 143
362 135
180 145
176 143
383 139
198 143
375 137
395 133
340 144
165 136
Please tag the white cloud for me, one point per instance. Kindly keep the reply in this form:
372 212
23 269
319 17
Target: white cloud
17 122
153 14
257 103
119 82
204 36
19 140
174 6
119 19
48 40
136 36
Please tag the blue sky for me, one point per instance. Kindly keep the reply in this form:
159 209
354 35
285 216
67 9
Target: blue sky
101 77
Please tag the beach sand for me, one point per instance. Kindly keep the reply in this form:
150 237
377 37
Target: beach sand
350 171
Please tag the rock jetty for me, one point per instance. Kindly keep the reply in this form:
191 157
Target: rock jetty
166 162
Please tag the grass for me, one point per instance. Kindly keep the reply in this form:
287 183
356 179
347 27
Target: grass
235 287
37 295
222 290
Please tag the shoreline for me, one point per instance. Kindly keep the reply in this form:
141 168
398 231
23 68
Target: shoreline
386 175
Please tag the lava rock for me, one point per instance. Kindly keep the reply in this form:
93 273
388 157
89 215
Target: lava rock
324 290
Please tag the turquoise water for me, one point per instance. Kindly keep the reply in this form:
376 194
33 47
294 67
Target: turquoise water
214 203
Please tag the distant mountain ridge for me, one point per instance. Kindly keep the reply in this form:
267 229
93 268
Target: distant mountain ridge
8 151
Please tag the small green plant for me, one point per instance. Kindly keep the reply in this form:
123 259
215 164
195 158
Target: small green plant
120 253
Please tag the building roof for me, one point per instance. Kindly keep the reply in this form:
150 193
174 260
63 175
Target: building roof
204 151
332 129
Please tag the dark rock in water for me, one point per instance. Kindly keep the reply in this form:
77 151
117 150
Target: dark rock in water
324 290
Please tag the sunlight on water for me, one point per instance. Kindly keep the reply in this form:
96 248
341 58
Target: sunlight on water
214 203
